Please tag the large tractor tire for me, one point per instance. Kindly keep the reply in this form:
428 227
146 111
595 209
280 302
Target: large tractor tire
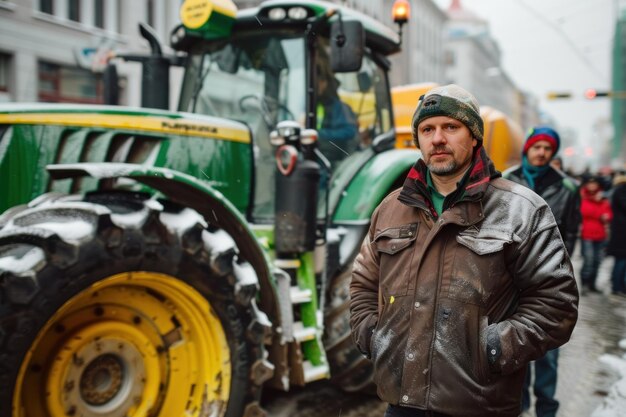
350 369
118 305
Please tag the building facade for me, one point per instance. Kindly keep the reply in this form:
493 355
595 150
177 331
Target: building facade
472 60
56 50
422 56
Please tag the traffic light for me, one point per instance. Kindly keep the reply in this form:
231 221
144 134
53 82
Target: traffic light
552 95
592 93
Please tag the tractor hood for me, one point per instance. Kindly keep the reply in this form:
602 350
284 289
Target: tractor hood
216 151
119 117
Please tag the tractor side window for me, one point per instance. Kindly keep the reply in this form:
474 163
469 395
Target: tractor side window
367 95
359 104
336 120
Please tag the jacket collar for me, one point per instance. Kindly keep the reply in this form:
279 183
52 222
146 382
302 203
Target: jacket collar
471 187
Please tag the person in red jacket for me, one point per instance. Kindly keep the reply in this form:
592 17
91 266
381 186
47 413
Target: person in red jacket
596 216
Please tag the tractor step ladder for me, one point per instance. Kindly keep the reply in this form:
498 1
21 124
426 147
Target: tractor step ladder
314 373
305 331
299 296
302 334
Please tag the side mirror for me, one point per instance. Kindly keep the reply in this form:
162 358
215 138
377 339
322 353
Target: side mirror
347 45
384 141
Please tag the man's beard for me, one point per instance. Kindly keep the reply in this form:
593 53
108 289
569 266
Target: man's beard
439 169
443 170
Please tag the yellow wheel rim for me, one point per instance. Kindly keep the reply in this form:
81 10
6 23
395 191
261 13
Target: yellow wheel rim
134 344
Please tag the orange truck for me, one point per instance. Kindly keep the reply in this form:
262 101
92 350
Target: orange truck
503 136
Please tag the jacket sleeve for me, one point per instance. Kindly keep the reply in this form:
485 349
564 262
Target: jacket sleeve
364 292
548 298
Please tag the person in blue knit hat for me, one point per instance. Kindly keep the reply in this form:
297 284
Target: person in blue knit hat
561 192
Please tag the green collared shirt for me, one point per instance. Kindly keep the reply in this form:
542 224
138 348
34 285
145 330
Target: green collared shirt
436 197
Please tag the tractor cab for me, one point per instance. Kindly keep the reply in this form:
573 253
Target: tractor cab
315 63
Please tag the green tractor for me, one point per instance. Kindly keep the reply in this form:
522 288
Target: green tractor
157 263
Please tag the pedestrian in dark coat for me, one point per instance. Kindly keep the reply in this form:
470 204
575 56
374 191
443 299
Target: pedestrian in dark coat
617 240
561 193
463 277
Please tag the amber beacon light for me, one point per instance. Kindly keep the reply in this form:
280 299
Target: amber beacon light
401 11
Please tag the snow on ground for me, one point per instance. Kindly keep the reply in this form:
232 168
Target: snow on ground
614 404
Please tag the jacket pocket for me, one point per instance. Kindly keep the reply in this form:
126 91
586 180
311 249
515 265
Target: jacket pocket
394 245
483 242
394 239
479 267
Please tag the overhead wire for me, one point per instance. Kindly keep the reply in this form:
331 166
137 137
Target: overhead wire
580 55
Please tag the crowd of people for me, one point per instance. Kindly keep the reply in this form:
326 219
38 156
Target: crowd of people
603 228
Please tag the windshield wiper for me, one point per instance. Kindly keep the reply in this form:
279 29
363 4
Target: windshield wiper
200 82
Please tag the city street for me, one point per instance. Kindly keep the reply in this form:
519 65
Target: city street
186 184
583 380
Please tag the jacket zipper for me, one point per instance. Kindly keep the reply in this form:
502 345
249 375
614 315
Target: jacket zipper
435 311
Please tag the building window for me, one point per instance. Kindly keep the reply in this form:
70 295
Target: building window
45 6
99 13
150 12
5 64
60 84
73 11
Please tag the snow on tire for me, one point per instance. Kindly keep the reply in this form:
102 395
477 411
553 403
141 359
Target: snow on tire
120 305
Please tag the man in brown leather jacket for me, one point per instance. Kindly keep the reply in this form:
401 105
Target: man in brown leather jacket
463 278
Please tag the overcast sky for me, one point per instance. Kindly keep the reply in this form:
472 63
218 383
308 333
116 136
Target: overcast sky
556 45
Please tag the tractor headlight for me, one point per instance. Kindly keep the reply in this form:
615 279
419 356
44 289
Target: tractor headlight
297 13
277 13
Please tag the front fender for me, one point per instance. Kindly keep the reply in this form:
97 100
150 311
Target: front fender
372 183
193 193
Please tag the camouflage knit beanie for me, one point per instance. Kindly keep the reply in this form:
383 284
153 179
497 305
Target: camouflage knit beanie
452 101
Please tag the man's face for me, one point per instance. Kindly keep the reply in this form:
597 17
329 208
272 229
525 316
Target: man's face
447 145
540 153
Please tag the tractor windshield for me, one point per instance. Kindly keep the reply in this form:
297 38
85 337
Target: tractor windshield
260 79
255 79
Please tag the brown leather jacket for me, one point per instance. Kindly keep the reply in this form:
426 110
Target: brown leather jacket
451 309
